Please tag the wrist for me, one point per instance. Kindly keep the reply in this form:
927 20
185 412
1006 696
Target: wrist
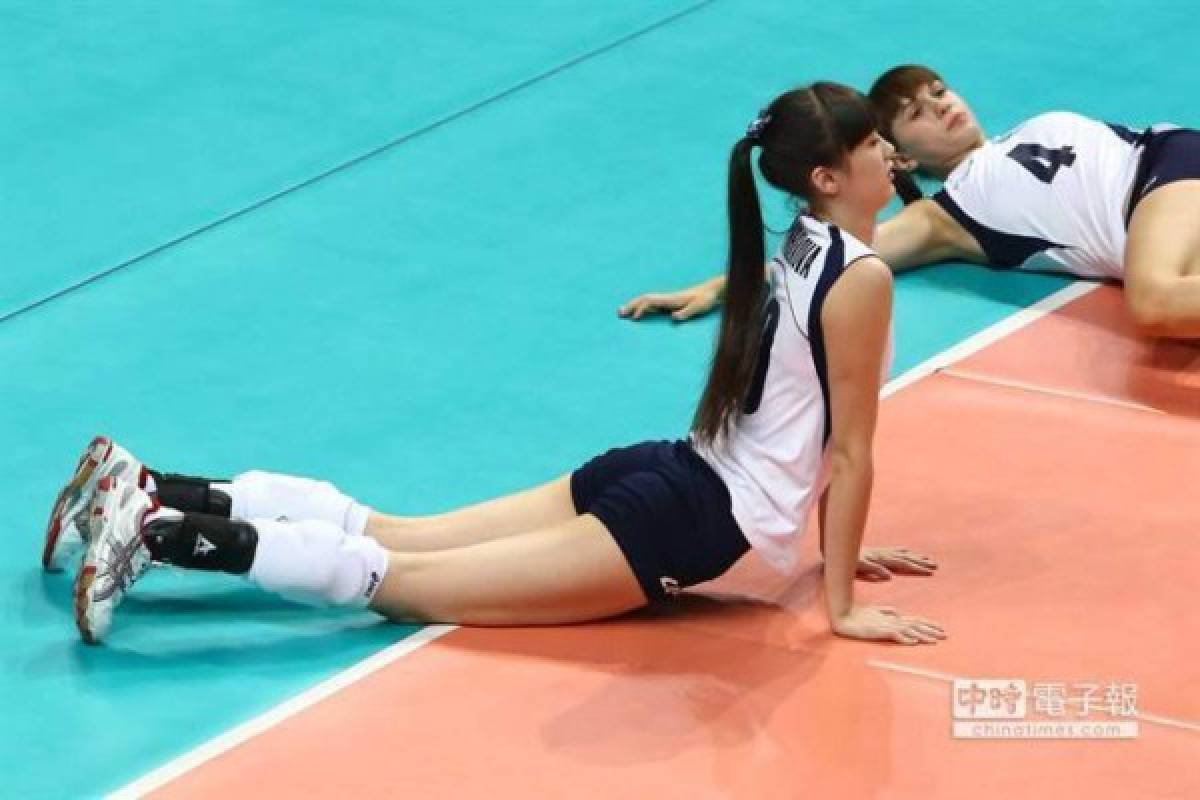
839 607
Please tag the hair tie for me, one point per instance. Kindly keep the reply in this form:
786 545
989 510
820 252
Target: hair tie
754 132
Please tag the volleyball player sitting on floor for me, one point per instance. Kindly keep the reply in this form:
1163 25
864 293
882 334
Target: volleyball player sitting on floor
1059 192
789 409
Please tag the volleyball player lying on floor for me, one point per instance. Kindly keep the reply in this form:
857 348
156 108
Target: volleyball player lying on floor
1059 192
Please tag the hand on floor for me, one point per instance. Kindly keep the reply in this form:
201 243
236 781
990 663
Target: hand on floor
881 563
885 624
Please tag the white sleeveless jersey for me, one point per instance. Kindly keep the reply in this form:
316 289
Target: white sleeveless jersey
1051 195
774 458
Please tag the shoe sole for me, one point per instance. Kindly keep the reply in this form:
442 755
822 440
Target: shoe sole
83 585
95 453
87 575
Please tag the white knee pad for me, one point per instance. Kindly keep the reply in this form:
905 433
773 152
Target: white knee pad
317 563
268 495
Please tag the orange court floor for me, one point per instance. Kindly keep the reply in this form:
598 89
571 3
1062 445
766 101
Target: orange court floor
1052 474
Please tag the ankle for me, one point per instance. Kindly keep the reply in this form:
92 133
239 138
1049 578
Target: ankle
200 541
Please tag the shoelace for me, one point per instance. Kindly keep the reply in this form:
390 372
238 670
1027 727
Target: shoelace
119 568
82 519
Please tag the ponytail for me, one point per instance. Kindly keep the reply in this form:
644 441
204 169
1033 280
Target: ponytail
800 130
741 322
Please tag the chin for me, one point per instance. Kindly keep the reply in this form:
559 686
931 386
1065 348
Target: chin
970 133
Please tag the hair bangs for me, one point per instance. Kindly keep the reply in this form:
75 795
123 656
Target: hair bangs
896 87
850 116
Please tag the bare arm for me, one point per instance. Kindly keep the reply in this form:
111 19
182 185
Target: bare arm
856 321
683 304
922 233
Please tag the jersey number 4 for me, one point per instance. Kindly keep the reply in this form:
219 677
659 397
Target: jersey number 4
1042 162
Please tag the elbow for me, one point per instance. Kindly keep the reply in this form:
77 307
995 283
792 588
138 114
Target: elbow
847 461
1149 305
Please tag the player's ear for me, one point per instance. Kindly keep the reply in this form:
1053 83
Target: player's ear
823 180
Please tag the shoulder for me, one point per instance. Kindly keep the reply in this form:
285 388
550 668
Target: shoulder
869 271
856 319
1048 121
1056 118
863 289
856 252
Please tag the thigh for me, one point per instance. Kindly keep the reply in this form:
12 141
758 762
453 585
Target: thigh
531 509
1164 236
570 572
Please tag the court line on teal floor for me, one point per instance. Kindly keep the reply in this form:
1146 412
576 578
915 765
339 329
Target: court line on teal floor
991 334
351 163
247 730
251 728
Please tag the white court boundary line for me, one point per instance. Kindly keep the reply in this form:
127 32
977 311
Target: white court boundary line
990 335
251 728
1087 397
247 730
944 677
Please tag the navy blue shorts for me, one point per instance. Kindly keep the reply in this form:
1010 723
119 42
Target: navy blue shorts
1169 156
668 511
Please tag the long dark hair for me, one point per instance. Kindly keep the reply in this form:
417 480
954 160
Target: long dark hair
800 130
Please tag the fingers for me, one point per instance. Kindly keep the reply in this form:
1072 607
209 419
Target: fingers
683 305
903 561
917 630
919 560
650 303
913 637
906 567
884 623
928 626
872 571
685 313
634 309
692 308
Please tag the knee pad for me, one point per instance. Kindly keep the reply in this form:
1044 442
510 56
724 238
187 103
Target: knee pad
316 563
268 495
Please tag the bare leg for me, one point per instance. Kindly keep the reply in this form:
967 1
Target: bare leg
1162 262
569 572
540 507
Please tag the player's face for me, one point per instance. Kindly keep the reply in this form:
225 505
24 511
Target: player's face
936 127
868 173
